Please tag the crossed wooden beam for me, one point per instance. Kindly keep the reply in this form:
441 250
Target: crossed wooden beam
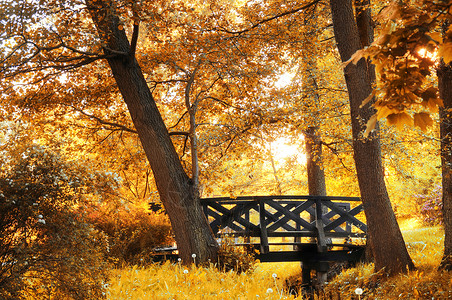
281 216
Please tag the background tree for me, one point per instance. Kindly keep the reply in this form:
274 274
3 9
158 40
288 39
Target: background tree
386 240
53 46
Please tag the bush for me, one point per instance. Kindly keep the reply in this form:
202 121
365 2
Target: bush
132 232
431 205
231 257
47 250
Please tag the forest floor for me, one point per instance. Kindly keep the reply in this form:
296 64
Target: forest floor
272 280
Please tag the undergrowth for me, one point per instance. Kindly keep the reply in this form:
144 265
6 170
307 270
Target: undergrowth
425 246
269 281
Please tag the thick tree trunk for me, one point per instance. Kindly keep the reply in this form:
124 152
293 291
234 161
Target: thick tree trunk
386 240
445 89
191 229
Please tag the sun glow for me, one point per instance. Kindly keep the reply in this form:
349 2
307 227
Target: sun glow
424 53
283 149
284 79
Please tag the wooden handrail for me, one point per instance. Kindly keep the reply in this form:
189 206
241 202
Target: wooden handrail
278 213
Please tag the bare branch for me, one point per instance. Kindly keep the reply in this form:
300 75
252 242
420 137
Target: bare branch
271 18
184 133
133 43
103 122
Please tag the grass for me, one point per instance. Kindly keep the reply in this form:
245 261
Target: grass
425 246
268 281
172 281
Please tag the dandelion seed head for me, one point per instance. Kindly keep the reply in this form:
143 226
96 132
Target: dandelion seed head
269 290
193 255
185 271
358 291
274 275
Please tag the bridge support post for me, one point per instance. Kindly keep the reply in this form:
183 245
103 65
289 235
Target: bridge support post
265 248
321 268
305 275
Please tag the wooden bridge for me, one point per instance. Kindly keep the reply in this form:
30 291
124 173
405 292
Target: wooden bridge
316 229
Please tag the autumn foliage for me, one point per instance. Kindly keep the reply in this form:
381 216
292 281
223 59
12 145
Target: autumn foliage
133 233
47 248
74 189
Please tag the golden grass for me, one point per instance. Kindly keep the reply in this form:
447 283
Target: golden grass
425 246
172 281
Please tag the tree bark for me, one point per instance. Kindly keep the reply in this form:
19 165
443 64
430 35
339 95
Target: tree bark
313 142
316 174
192 231
386 241
445 89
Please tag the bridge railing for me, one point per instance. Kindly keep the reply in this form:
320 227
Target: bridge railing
320 217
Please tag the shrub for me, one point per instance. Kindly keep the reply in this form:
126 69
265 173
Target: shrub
46 249
231 257
132 232
431 205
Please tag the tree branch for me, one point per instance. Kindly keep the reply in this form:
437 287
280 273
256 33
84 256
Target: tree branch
271 18
103 122
133 42
184 133
335 152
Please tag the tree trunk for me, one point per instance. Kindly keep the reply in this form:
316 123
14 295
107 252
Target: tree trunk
316 179
445 90
386 240
316 174
192 231
275 172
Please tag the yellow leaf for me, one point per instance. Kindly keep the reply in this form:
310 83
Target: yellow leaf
423 120
391 11
436 36
370 125
369 98
400 119
434 103
445 51
355 58
384 111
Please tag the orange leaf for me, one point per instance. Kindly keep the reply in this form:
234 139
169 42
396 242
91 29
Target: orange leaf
423 120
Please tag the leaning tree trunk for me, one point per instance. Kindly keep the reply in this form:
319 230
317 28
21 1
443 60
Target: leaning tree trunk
386 240
191 229
445 90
